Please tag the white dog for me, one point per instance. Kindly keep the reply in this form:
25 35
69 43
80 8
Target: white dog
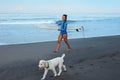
51 64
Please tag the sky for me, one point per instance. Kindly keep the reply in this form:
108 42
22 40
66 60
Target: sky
60 6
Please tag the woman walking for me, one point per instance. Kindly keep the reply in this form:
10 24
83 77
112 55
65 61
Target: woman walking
63 34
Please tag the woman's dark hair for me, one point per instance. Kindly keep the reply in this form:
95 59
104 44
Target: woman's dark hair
65 16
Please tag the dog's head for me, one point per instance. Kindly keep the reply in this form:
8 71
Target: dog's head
42 64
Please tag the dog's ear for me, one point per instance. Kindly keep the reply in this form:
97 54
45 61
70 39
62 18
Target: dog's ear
44 63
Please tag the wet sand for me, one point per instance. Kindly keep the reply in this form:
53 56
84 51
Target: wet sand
89 59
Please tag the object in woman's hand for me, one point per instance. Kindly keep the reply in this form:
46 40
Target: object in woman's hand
77 30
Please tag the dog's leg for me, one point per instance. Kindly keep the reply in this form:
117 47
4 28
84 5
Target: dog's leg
64 67
60 69
45 73
54 71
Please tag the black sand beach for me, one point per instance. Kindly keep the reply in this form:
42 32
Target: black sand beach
89 59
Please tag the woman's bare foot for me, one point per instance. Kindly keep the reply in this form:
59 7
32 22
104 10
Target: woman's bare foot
69 49
55 51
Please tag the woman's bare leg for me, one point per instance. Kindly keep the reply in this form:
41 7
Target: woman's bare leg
66 41
59 43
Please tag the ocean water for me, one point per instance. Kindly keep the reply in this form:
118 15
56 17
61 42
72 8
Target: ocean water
21 28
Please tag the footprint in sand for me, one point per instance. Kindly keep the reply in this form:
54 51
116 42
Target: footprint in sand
71 66
101 66
81 68
76 74
81 60
91 47
91 64
104 61
85 72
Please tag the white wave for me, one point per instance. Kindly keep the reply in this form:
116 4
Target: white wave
3 43
28 22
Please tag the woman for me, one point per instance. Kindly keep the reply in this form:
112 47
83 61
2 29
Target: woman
63 34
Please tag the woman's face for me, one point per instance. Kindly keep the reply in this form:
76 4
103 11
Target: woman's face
63 18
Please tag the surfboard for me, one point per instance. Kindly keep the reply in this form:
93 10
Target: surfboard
58 28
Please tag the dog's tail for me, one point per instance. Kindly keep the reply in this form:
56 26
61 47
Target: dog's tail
63 55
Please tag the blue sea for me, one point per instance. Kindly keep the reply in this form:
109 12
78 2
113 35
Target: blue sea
21 28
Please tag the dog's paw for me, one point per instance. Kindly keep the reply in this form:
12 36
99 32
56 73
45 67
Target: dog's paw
55 75
58 75
65 71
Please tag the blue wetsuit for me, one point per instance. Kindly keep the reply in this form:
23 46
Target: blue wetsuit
63 27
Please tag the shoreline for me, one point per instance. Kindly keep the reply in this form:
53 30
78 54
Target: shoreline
53 41
95 58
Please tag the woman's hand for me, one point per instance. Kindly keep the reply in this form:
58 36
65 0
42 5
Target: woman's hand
58 29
